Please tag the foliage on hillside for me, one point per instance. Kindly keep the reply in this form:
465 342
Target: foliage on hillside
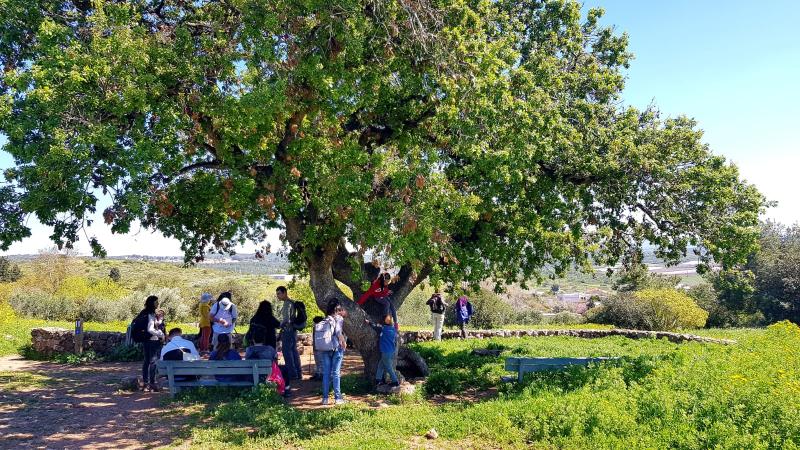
651 309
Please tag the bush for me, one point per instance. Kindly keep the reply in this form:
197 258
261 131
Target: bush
719 315
566 318
9 272
169 299
490 311
529 317
651 309
41 305
114 274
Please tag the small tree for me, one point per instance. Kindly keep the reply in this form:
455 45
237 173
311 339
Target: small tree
9 272
114 274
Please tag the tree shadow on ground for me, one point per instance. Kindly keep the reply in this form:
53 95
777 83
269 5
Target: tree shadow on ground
63 406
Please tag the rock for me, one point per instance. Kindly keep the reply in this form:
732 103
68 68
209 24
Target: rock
432 434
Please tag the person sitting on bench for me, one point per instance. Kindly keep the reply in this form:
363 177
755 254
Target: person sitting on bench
179 349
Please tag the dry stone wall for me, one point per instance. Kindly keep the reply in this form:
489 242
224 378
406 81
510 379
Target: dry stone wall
58 340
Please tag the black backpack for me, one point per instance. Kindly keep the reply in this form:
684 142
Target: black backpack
300 316
139 332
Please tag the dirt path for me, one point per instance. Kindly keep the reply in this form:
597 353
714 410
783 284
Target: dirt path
62 406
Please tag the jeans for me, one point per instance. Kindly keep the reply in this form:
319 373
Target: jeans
290 355
318 364
438 323
331 373
385 366
152 351
462 326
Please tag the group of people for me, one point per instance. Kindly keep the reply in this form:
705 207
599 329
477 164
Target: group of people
218 320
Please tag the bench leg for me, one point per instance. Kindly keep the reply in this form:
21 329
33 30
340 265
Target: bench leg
519 376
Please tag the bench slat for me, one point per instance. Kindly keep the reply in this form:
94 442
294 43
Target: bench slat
525 365
257 368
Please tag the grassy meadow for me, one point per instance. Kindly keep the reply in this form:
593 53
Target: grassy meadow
658 395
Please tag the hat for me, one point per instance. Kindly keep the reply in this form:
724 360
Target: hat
226 303
206 297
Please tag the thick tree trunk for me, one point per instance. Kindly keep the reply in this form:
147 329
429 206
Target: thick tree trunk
362 335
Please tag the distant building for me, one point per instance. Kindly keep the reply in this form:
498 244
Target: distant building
282 277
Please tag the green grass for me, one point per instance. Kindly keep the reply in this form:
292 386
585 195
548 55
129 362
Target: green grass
22 381
659 395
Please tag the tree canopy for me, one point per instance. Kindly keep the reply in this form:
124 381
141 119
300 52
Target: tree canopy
460 140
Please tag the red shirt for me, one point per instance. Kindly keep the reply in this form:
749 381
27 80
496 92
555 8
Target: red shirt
374 291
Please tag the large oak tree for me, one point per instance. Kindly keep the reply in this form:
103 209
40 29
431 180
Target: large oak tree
457 140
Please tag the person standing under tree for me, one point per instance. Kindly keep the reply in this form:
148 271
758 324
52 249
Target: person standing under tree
289 315
463 312
204 323
437 305
151 344
223 317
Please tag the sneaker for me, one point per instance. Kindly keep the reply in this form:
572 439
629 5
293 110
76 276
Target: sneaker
340 401
154 388
394 384
379 382
324 402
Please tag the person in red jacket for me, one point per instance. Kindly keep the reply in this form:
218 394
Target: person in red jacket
380 292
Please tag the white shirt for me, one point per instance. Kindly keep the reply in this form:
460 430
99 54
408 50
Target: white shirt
230 316
177 343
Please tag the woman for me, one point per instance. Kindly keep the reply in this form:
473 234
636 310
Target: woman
265 319
463 312
332 359
224 352
152 346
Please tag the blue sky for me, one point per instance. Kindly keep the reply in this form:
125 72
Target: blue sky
732 65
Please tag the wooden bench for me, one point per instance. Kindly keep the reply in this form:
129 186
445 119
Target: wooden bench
526 365
256 369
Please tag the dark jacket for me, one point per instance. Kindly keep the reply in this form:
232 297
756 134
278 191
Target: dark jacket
270 324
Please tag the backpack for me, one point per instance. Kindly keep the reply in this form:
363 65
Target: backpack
438 306
248 337
139 332
324 335
299 316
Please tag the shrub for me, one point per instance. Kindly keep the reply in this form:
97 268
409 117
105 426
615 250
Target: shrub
566 318
490 310
40 304
103 310
7 315
9 272
114 274
529 317
651 309
169 299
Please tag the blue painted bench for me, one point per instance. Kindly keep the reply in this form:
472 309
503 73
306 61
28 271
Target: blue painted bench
526 365
255 369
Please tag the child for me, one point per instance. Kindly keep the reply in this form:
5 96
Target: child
257 348
225 352
161 325
317 357
204 323
380 292
387 346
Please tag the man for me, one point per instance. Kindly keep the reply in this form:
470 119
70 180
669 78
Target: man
289 335
177 347
223 316
437 305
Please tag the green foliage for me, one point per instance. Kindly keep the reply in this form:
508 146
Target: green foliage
720 315
124 353
637 277
7 314
35 303
566 318
650 309
659 395
475 140
9 272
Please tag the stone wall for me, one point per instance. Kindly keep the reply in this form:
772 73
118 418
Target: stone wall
59 340
51 340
